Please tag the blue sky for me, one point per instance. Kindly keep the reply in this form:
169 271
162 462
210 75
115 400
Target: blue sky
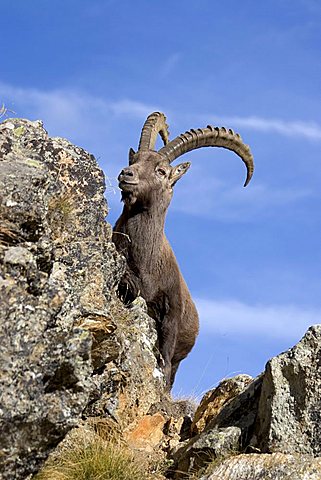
93 70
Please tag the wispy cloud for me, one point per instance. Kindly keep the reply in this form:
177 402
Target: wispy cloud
209 197
169 64
76 106
64 110
132 108
271 321
296 128
92 121
70 110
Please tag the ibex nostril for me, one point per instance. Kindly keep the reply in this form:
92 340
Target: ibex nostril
128 172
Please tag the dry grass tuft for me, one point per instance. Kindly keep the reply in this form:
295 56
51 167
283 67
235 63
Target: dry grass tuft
4 111
95 459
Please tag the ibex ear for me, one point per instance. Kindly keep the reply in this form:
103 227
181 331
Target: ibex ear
131 154
178 171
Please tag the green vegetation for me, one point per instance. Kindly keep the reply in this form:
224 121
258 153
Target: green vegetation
19 131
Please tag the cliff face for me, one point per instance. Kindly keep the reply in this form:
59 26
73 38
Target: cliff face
67 343
73 355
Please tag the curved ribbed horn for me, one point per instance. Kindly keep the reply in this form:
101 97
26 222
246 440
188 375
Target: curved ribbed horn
155 124
210 137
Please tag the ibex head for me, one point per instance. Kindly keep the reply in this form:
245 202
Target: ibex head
150 177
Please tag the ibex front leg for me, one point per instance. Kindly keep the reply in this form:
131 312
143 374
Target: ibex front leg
167 346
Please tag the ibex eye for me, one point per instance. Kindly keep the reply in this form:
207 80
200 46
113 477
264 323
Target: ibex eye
161 171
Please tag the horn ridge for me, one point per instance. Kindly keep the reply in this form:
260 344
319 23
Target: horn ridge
210 137
155 124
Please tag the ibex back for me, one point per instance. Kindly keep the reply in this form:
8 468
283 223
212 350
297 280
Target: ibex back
152 270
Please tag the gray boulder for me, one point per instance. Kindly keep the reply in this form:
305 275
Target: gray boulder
278 412
289 412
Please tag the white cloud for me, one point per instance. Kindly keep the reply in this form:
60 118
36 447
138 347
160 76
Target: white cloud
169 64
132 108
72 104
211 198
300 129
284 322
68 110
76 106
61 110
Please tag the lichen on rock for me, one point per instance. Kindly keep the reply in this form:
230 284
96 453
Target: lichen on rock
289 412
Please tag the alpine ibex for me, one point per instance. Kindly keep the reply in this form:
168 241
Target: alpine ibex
152 270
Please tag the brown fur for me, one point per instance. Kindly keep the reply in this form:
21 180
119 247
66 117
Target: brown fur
152 269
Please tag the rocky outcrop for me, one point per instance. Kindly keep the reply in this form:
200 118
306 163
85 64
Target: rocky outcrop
235 402
278 412
130 382
289 413
73 355
213 401
67 342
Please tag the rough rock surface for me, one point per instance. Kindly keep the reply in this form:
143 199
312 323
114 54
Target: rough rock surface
131 382
58 274
240 412
277 466
194 455
214 400
235 403
147 433
278 412
289 414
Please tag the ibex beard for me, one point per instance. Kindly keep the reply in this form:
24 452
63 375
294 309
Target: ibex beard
152 270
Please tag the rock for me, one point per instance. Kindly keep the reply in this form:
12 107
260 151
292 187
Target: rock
194 455
45 356
175 432
72 354
178 415
226 433
147 433
131 382
277 412
58 276
240 412
214 400
277 466
289 413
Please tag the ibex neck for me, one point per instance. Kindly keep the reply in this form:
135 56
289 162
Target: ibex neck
145 231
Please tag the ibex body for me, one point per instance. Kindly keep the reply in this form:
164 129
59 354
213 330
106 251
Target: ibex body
152 270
